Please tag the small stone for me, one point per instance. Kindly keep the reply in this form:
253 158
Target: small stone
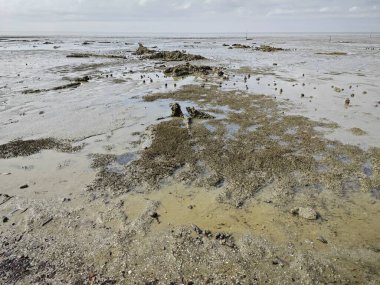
154 215
347 101
5 219
24 186
306 213
322 239
176 110
302 95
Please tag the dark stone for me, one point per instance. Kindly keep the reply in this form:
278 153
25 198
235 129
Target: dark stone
176 110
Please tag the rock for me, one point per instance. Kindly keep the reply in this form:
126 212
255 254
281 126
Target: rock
347 101
154 215
176 55
266 48
196 114
176 110
240 46
306 213
24 186
197 229
82 79
5 219
322 239
188 69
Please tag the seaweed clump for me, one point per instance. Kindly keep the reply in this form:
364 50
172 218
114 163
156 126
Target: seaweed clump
18 148
267 48
240 46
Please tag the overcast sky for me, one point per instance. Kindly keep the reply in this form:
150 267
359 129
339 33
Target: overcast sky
188 16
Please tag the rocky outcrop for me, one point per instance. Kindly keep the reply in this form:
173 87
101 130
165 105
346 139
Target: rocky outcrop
176 110
188 69
176 55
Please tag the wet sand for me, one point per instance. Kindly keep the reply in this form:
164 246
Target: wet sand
103 186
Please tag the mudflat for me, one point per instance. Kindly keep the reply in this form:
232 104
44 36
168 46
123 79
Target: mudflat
190 161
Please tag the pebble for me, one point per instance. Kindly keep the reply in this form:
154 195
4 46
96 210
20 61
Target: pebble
322 239
24 186
306 213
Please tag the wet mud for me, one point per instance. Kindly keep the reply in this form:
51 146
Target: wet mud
227 187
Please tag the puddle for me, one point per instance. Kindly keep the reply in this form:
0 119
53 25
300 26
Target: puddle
253 128
291 131
232 129
344 159
368 168
210 127
121 162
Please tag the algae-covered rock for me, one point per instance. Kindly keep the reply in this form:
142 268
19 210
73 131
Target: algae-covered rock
176 55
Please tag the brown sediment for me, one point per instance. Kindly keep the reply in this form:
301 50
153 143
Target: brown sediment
28 147
87 55
61 87
332 53
221 210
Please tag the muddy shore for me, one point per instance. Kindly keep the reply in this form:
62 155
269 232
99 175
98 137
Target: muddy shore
248 192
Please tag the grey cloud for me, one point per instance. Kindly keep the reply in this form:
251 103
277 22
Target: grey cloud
201 15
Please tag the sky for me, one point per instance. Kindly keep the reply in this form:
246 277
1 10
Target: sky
187 16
